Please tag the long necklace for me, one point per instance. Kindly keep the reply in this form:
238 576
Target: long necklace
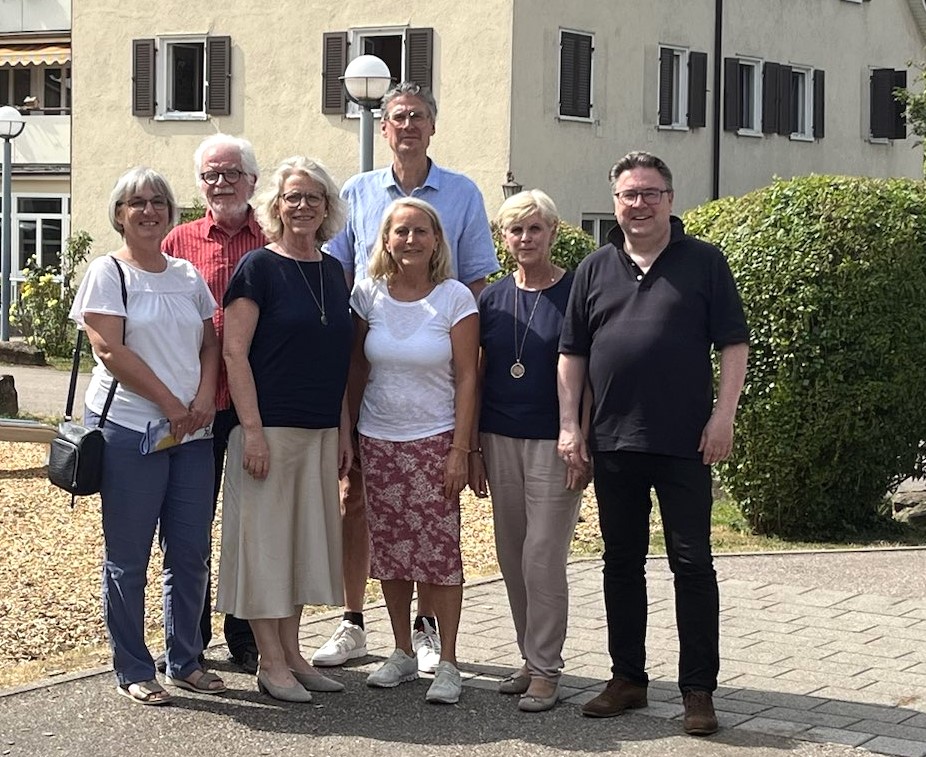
517 369
321 285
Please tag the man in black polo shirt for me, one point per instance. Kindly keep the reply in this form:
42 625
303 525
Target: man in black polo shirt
644 313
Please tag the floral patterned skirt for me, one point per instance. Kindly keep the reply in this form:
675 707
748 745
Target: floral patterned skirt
414 528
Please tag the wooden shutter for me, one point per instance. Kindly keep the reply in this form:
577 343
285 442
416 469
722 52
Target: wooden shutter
784 100
334 61
770 75
697 90
143 52
575 75
819 104
886 112
218 76
419 57
666 89
900 120
732 96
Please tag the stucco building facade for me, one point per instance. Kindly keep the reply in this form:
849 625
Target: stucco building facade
731 94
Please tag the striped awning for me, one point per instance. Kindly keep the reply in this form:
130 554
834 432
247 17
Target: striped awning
34 55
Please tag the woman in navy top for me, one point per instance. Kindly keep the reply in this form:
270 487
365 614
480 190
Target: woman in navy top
535 498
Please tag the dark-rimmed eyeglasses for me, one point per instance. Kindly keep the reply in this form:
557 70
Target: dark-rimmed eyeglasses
650 196
294 199
231 176
139 204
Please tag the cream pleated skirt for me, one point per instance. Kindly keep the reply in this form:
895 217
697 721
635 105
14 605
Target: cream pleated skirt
281 537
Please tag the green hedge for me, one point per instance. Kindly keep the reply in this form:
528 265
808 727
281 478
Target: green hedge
571 245
832 271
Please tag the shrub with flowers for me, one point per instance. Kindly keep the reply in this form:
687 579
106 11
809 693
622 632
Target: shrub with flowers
45 298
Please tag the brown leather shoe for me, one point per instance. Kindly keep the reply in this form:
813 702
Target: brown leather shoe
619 695
700 719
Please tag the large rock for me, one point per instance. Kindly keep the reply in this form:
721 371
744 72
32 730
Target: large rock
20 353
9 401
909 502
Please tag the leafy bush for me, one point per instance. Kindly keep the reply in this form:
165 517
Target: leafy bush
45 299
571 245
832 271
192 213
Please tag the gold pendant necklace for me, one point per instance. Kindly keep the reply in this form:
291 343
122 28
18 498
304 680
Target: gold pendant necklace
321 286
517 369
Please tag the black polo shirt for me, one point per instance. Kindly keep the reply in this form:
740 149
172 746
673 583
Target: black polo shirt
648 340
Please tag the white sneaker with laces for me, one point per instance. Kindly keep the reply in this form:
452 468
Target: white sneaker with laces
399 668
348 643
426 646
447 686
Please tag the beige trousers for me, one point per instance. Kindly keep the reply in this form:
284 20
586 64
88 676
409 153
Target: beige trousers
535 517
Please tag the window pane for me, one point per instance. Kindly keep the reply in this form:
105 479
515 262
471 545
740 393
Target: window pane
52 77
21 85
186 77
4 86
389 50
797 102
676 88
51 242
27 231
747 95
588 226
604 228
43 205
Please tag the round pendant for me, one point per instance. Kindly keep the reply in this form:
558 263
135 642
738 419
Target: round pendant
517 369
324 320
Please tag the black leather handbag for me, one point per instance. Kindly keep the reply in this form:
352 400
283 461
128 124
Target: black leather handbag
75 462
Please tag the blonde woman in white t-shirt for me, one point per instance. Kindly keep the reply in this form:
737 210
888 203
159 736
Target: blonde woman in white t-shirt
161 347
417 339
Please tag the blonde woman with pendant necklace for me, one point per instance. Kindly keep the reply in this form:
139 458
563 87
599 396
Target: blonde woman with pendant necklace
287 345
535 497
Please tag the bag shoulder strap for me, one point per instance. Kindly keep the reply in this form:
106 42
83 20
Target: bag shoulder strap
125 304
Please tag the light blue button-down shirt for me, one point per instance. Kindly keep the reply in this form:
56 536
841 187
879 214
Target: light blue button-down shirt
458 202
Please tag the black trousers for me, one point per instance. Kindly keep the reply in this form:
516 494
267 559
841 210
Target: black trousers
623 481
238 634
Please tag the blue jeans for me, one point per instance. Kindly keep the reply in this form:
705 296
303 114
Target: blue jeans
683 487
170 491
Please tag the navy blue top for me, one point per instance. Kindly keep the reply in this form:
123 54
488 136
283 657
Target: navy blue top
648 340
524 408
299 365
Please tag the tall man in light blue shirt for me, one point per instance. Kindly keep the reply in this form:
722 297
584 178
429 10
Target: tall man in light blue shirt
409 115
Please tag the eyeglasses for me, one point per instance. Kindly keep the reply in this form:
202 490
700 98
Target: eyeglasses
294 199
650 196
138 204
413 117
232 175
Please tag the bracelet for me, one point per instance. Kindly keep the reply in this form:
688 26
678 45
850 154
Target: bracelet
460 447
477 451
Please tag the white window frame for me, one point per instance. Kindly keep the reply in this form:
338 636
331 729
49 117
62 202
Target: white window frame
355 46
805 135
755 107
559 77
16 274
598 220
164 81
37 88
679 88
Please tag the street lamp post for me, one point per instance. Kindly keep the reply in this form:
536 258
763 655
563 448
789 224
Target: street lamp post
366 79
11 126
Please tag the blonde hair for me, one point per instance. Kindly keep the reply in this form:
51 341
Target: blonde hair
267 210
523 204
383 266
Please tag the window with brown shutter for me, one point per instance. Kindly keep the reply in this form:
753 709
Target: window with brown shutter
334 61
887 113
697 90
575 74
143 52
218 76
419 57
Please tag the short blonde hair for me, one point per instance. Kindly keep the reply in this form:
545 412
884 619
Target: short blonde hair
267 209
383 266
523 204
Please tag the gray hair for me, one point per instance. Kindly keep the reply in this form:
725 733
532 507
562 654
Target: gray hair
245 150
411 89
268 211
639 159
523 204
134 180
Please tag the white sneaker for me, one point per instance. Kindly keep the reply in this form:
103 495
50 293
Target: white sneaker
426 646
447 686
399 668
348 643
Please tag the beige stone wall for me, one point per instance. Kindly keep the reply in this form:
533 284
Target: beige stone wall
276 95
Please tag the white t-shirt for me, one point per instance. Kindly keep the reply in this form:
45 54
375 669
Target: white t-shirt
410 391
163 326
